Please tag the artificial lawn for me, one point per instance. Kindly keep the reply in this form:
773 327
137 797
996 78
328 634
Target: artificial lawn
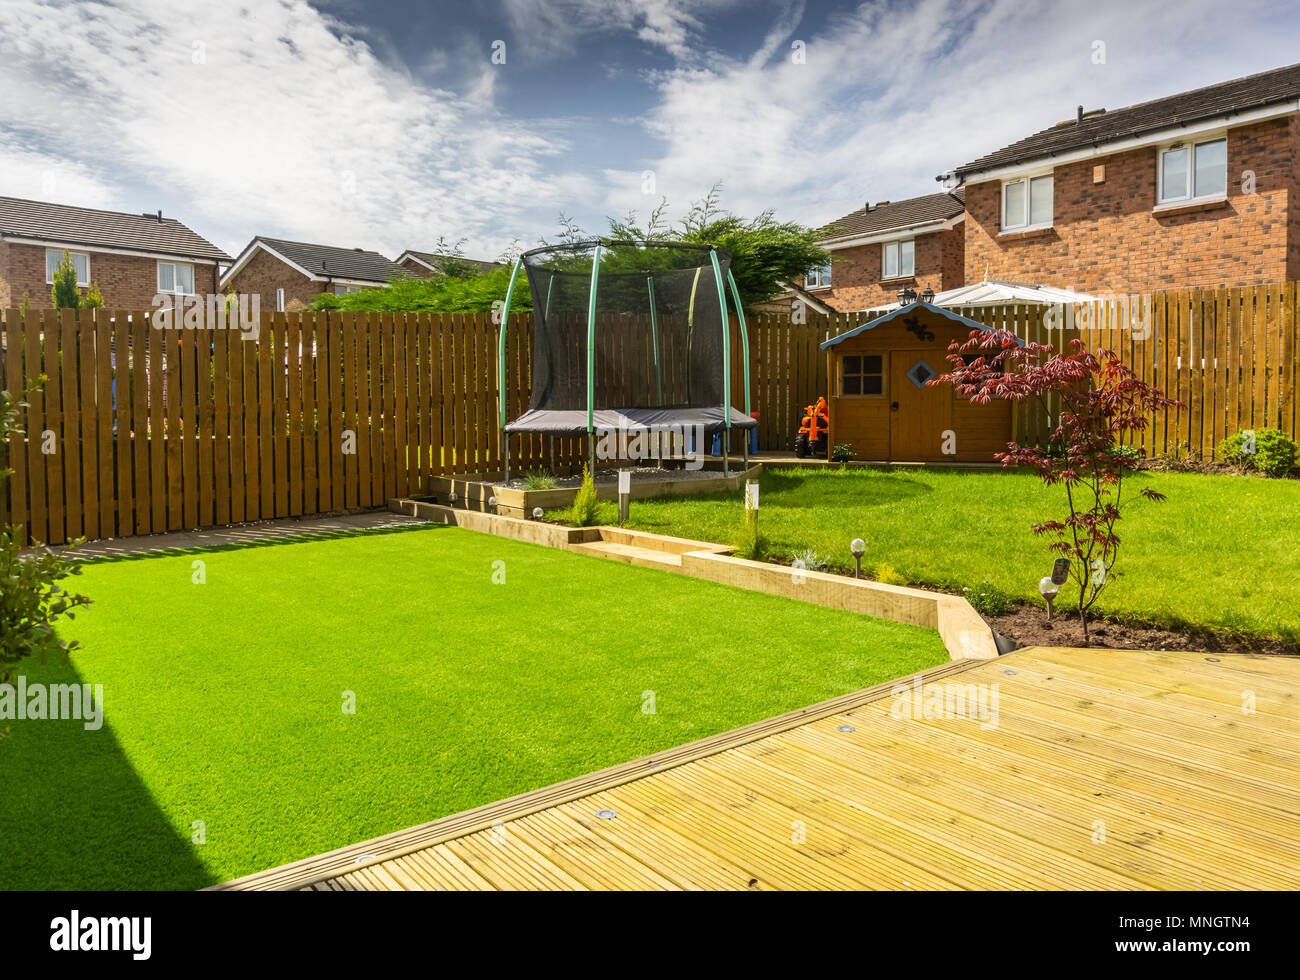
1220 554
224 700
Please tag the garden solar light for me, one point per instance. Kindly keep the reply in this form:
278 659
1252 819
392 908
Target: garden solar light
1048 588
859 548
537 513
451 498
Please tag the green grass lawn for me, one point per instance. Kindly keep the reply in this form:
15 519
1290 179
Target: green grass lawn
224 701
1221 554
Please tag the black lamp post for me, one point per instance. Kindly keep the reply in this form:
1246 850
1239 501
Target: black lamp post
928 295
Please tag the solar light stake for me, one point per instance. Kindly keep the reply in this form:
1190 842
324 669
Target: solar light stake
624 494
858 547
1048 588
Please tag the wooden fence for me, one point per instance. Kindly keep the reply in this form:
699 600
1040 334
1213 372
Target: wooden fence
139 430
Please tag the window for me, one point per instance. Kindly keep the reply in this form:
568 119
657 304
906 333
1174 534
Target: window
344 290
862 374
176 277
80 261
818 277
1027 203
899 259
1194 173
279 301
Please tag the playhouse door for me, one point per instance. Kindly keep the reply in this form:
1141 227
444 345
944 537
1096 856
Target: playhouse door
918 415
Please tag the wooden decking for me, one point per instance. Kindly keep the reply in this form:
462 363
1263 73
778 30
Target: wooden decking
1091 769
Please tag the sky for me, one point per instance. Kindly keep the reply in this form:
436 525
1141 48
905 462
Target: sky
393 125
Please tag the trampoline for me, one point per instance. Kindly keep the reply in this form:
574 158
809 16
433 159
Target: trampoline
629 336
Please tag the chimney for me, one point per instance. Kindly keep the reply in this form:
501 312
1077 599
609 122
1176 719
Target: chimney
1078 119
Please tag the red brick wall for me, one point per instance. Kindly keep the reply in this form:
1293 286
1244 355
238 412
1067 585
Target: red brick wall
264 274
128 282
856 272
415 268
1105 237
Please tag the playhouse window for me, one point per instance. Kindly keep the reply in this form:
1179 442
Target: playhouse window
1193 173
862 374
899 259
1027 203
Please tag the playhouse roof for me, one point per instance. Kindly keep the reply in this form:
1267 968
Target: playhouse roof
920 304
998 292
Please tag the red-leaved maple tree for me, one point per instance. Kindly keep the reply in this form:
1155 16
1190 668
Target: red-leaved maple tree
1096 402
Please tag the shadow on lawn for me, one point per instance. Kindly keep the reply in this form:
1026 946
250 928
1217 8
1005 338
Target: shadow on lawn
75 815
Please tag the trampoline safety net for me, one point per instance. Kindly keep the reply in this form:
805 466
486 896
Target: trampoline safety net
653 354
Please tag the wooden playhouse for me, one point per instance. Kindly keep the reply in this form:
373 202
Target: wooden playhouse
879 402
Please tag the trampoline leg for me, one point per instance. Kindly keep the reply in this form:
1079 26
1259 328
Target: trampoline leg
745 436
506 440
725 446
553 470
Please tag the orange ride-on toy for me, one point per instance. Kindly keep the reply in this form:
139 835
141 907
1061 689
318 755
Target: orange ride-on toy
813 431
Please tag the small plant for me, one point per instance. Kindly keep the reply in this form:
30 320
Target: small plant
808 560
1100 403
94 299
750 542
842 452
585 506
64 293
988 599
540 480
888 575
1270 451
1127 456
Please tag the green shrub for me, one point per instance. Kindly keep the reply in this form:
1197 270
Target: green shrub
842 452
31 598
750 542
1274 451
584 510
888 575
541 480
988 599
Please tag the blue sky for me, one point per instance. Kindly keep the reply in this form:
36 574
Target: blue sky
388 125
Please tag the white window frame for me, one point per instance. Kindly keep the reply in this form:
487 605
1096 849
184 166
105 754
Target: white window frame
1028 180
49 273
1190 145
174 290
279 300
897 247
818 277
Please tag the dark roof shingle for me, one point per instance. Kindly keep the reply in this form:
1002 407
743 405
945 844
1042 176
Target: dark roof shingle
1227 98
895 214
110 229
335 261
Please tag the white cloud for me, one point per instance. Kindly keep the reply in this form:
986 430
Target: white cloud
270 120
892 95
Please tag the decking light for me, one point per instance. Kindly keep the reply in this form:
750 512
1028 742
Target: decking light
364 858
859 548
845 728
606 814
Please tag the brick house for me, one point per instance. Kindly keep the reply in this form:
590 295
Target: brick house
290 275
891 245
422 265
130 257
1188 191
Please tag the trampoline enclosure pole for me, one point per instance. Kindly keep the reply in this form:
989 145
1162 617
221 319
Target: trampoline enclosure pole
726 363
654 336
501 364
591 361
744 350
